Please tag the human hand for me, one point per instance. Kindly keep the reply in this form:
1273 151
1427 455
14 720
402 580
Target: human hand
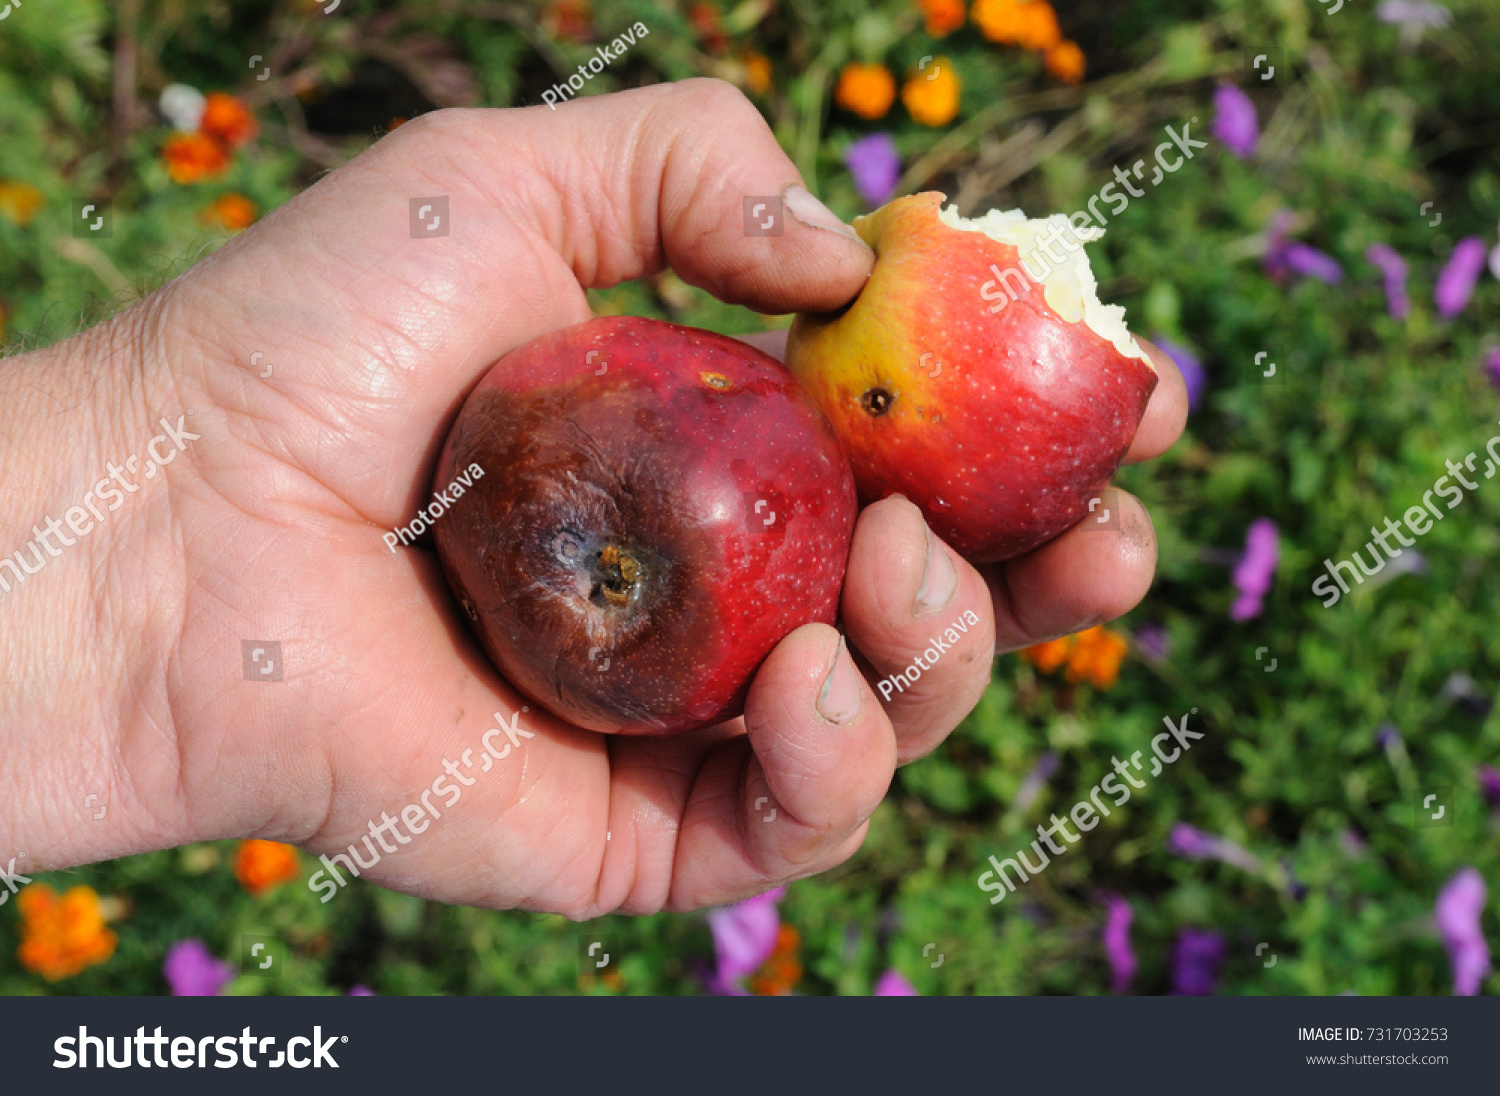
271 525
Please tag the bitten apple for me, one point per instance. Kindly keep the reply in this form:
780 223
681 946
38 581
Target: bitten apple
659 507
978 374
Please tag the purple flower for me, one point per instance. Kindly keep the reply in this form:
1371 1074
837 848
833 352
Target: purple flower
893 984
1252 575
1035 781
1294 886
1388 736
876 167
744 937
1193 843
1234 120
1189 366
192 971
1285 256
1489 785
1393 266
1457 914
1312 263
1462 690
1117 949
1153 641
361 991
1492 363
1456 282
1195 963
1413 17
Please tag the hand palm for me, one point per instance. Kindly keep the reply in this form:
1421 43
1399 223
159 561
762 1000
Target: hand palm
276 525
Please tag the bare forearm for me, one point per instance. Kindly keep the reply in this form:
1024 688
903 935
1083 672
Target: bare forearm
85 571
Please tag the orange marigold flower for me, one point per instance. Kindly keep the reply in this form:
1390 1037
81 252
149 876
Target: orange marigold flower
782 969
708 26
227 119
757 72
1039 29
1031 24
931 96
20 202
568 19
866 90
233 212
191 157
1048 656
1096 655
1066 62
60 936
943 16
261 865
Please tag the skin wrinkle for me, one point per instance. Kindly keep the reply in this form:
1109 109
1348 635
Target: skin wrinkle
685 776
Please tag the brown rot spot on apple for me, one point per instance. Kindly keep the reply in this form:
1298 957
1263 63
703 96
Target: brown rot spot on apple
617 577
876 402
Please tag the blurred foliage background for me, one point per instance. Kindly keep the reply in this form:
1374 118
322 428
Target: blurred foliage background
1308 774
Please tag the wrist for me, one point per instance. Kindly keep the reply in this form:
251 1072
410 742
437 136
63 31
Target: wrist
89 578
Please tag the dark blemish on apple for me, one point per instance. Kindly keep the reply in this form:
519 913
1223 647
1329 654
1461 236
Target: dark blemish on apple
876 402
618 577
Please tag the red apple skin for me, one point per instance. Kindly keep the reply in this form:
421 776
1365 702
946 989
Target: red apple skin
1027 417
617 520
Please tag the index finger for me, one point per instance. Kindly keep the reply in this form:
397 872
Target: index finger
1166 413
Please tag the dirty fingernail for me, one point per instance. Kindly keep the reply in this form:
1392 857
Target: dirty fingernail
939 579
840 698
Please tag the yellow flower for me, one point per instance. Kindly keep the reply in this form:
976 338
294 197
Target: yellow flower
60 936
943 16
866 90
1031 24
20 202
931 96
1066 62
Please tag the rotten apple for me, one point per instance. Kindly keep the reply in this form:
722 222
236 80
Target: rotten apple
978 374
658 507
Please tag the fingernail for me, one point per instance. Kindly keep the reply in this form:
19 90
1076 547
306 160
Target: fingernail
840 698
939 580
807 210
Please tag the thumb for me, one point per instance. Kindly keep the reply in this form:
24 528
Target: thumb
687 175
